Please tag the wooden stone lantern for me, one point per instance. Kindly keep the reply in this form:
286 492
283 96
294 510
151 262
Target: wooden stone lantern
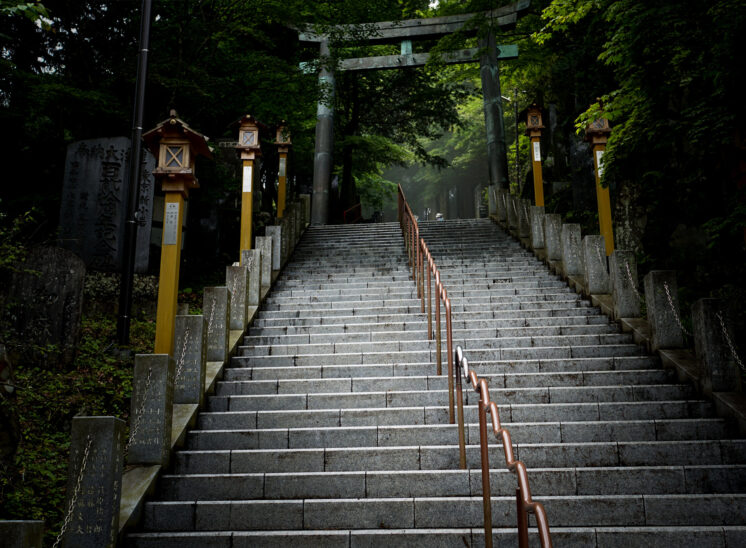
176 146
250 151
598 134
534 125
283 142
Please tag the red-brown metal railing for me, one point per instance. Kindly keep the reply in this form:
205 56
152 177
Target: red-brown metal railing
353 214
425 271
524 503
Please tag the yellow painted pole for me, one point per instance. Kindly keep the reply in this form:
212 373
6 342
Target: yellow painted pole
536 164
168 285
246 204
604 202
282 182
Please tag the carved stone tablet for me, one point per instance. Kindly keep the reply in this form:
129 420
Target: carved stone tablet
190 357
237 278
94 481
152 409
251 259
216 307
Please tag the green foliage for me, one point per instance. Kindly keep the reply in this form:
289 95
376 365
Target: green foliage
97 383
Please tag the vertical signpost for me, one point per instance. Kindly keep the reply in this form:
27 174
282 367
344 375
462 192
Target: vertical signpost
249 150
283 148
175 145
598 134
534 126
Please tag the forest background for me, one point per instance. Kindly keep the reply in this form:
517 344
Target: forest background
668 74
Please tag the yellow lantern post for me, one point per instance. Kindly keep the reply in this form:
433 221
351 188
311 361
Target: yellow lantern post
176 146
598 134
249 150
533 129
283 143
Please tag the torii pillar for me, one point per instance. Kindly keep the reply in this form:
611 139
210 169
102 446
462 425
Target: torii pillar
322 163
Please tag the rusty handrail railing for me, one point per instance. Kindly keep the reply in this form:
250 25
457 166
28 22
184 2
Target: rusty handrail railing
424 268
524 503
353 214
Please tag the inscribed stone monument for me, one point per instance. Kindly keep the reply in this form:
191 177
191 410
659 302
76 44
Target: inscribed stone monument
190 355
152 409
93 210
94 482
46 302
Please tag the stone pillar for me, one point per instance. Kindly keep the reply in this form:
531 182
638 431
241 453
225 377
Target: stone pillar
491 194
502 207
264 244
322 162
536 218
664 327
151 411
275 232
624 294
94 482
720 371
216 307
22 533
251 259
512 208
595 268
489 70
524 227
190 349
570 245
552 228
305 199
236 279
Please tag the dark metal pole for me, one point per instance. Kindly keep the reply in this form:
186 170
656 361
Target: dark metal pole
133 188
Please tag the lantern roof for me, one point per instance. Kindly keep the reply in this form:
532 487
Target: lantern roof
173 126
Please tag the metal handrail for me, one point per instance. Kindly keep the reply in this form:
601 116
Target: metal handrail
424 267
356 210
524 503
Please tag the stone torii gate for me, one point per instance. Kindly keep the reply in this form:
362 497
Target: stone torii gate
404 32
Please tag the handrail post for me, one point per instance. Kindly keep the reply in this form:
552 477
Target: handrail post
421 271
438 339
483 449
460 410
429 298
522 519
449 350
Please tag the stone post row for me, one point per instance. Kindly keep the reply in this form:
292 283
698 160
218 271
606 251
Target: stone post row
190 359
552 229
502 208
662 302
251 259
216 307
570 249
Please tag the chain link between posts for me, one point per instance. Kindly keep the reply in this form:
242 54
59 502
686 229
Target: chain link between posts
76 492
729 342
140 411
599 255
632 282
673 310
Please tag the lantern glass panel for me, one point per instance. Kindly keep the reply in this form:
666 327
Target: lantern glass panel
175 156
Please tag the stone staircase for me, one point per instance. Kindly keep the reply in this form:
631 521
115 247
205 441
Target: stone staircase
331 427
